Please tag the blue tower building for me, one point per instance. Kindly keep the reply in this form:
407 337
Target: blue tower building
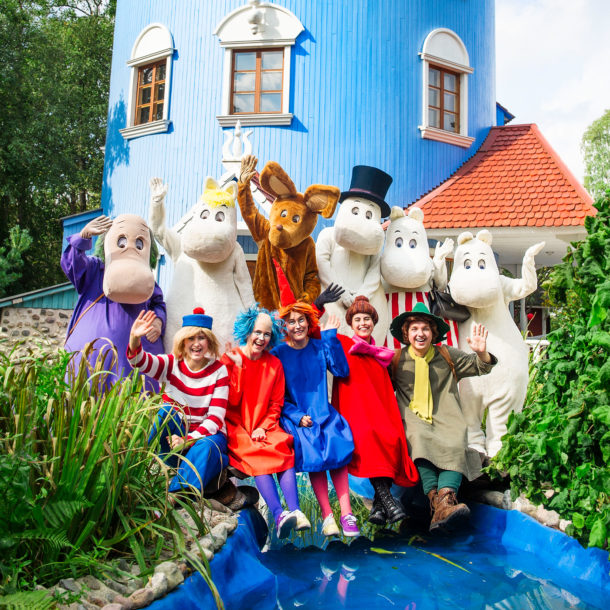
406 86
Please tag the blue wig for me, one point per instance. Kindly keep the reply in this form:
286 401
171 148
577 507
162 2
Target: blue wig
245 321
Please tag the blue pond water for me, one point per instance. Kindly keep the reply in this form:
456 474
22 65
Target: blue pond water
504 560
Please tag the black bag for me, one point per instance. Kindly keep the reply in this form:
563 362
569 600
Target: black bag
443 306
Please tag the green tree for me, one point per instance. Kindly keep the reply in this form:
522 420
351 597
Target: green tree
11 258
596 149
54 86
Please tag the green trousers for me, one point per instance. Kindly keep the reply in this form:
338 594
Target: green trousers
435 478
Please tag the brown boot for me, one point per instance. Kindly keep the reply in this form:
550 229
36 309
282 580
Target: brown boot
432 496
447 511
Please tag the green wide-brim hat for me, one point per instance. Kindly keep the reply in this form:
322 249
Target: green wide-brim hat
419 310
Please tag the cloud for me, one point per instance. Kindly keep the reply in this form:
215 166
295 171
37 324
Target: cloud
551 68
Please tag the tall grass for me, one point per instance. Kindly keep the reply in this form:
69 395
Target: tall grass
79 485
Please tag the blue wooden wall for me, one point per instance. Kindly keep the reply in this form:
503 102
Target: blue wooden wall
356 98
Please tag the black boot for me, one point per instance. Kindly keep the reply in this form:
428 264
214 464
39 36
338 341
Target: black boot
393 510
377 514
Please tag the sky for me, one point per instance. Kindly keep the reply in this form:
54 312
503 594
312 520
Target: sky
553 68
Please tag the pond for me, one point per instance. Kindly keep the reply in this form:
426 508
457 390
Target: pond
503 560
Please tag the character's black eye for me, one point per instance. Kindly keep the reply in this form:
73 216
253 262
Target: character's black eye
220 216
482 264
296 218
412 243
355 211
467 263
121 241
398 242
139 243
205 214
284 213
369 214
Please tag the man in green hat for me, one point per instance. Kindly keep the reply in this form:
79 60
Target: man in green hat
425 376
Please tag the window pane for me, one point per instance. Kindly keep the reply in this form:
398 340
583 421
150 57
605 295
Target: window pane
243 103
271 81
245 61
158 112
146 75
449 122
434 77
450 99
144 113
450 82
159 92
244 81
272 60
161 71
271 102
434 117
434 98
144 96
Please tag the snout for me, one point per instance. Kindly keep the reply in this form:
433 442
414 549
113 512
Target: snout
279 227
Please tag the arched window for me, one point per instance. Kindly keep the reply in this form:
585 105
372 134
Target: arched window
445 88
151 68
258 40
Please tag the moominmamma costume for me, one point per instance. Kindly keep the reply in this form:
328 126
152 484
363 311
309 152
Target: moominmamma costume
210 268
407 269
348 254
113 287
476 283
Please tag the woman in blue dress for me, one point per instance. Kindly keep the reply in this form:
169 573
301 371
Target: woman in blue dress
322 438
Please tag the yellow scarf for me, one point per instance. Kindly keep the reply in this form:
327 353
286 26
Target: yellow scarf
422 402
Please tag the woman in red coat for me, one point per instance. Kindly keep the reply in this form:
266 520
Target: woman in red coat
366 399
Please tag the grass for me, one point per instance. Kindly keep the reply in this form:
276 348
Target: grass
81 489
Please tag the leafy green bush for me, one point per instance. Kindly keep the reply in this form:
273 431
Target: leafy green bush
79 485
560 443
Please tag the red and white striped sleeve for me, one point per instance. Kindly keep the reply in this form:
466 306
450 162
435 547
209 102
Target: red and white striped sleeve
215 419
152 365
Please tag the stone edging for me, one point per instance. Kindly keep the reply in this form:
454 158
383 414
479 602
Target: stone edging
131 593
499 499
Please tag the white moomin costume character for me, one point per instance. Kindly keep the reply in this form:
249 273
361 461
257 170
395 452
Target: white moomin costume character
476 283
210 268
348 253
407 269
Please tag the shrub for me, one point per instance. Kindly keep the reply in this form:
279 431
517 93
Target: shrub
560 443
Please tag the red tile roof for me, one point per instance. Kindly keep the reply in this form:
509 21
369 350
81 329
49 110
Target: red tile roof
515 179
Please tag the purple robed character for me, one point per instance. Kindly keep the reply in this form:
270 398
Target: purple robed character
114 286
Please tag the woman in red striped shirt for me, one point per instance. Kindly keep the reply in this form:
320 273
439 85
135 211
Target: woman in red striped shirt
192 420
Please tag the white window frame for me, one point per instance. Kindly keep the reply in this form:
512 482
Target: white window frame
445 49
254 26
153 44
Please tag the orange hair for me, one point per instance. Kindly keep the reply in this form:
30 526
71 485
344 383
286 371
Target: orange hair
304 309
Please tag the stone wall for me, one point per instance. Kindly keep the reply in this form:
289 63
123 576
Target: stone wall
34 326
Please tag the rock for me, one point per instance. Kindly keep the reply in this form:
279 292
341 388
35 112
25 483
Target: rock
173 573
69 584
218 507
113 607
117 586
63 316
208 553
563 524
231 523
219 535
25 333
159 585
92 583
142 598
124 602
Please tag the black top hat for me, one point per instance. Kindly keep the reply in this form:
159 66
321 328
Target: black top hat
369 183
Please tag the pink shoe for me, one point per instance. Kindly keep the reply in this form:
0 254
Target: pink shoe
349 525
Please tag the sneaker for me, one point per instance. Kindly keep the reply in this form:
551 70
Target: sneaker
329 526
302 521
286 522
349 525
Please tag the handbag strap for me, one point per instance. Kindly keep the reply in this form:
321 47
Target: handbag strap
444 352
81 316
